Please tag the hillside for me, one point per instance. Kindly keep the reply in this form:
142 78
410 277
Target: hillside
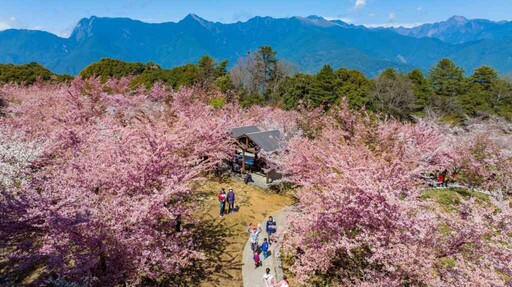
459 30
307 42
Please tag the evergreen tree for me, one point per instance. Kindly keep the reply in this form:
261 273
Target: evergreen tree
323 92
222 68
354 86
296 90
422 90
447 82
478 98
207 70
267 62
111 68
485 77
28 73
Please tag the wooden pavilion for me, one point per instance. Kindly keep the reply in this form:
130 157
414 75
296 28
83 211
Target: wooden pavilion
250 139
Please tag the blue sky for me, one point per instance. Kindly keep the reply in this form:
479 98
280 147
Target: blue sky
60 17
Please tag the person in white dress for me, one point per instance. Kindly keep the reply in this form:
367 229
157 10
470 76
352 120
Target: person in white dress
268 278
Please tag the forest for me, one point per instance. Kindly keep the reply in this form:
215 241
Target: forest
261 78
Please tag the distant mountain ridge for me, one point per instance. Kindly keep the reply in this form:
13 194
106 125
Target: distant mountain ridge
459 30
308 42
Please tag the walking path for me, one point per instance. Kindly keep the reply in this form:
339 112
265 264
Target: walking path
434 185
259 180
254 277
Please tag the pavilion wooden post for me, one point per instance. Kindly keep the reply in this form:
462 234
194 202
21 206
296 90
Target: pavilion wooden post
243 153
243 160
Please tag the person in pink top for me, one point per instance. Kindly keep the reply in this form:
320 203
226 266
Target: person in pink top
283 283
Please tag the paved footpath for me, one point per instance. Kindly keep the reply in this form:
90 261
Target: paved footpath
254 277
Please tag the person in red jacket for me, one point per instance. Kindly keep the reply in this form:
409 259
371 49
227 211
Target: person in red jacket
222 201
256 259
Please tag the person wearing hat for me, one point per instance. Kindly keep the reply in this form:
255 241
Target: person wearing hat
231 200
255 233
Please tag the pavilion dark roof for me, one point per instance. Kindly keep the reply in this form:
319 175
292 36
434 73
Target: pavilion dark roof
267 141
238 132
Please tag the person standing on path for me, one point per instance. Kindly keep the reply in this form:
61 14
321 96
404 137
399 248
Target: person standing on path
256 258
264 248
271 228
255 233
231 200
268 278
222 201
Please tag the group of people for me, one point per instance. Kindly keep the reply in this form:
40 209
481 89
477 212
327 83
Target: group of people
255 232
226 198
441 178
254 239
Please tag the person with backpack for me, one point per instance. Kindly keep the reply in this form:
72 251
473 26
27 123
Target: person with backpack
271 228
264 248
231 200
268 278
222 201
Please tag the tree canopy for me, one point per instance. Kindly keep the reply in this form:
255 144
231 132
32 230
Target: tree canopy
28 74
262 78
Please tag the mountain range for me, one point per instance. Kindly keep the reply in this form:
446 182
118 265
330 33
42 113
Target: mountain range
307 42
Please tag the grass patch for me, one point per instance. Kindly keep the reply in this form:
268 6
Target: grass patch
444 229
447 262
451 197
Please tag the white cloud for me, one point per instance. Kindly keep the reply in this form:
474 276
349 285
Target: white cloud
419 9
391 17
4 26
360 4
10 23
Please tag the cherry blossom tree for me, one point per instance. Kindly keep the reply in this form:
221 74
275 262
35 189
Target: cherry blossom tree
362 220
106 196
95 180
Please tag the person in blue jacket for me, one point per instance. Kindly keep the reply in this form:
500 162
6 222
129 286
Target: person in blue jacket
271 228
264 248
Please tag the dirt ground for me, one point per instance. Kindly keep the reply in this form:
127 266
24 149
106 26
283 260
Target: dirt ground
254 205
